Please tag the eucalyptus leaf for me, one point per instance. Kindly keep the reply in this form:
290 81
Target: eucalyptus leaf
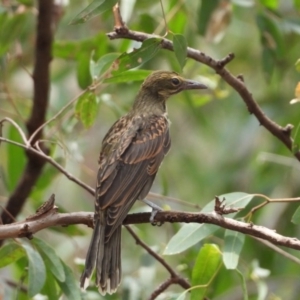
36 269
126 76
233 244
138 56
180 49
94 9
10 253
51 259
86 108
70 286
190 234
206 267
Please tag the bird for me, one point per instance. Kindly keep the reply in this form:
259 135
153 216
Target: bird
131 154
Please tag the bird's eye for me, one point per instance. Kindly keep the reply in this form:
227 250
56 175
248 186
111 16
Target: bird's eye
175 81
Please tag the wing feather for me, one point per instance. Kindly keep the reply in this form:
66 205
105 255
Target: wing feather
128 167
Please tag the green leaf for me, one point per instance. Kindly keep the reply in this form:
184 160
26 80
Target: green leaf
74 49
206 8
83 71
36 269
138 56
268 62
180 49
94 9
10 253
70 285
12 27
271 36
271 4
51 288
296 216
206 267
103 63
233 244
16 159
51 259
243 284
297 64
190 234
297 4
86 108
131 75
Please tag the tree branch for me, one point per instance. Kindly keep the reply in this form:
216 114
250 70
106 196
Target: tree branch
52 218
174 277
282 133
41 80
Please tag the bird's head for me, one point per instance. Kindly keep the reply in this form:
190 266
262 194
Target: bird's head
163 84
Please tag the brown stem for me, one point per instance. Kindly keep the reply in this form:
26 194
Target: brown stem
41 76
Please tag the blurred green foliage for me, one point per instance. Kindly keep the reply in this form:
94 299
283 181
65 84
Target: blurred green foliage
217 147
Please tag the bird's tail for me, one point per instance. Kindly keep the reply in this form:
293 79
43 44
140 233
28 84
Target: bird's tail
106 257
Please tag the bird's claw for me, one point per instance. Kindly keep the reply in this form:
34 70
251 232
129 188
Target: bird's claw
155 210
153 214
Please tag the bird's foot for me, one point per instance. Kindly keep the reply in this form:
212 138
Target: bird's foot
155 210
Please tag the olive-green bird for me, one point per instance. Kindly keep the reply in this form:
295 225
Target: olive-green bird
131 154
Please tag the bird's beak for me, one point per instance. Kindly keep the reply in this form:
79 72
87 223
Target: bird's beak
193 85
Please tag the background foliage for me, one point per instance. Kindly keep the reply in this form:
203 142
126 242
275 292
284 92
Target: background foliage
217 146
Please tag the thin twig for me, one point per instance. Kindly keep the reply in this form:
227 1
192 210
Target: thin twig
173 274
54 117
279 250
50 160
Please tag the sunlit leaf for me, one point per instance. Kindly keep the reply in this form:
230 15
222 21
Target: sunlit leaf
190 234
233 244
271 4
127 76
138 56
86 108
36 269
180 49
297 4
70 286
94 9
51 259
10 253
205 269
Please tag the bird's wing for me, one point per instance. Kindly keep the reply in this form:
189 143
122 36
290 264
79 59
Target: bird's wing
127 173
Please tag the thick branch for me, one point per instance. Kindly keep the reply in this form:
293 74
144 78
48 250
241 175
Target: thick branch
52 218
41 76
282 133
